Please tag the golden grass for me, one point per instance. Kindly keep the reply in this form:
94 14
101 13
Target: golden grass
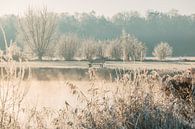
136 100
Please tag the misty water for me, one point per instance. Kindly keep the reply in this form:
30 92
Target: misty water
54 93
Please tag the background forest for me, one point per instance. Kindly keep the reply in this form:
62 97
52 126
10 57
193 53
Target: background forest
176 29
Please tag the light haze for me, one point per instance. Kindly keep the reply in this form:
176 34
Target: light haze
105 7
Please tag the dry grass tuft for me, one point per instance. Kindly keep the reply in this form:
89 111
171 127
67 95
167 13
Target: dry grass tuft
138 101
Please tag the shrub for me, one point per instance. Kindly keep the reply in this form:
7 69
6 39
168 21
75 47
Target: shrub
88 49
68 46
162 50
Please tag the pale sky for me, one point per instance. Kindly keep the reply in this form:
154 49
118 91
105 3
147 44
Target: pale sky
105 7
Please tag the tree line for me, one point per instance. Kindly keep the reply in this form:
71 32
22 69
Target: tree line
38 32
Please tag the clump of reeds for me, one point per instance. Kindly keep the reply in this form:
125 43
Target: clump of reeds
136 101
11 92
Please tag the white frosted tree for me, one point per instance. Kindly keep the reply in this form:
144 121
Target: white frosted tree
38 30
115 50
68 46
88 49
132 47
163 50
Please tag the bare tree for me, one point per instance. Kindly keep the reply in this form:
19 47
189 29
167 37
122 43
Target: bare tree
100 49
163 50
38 29
139 51
132 47
68 46
115 50
88 49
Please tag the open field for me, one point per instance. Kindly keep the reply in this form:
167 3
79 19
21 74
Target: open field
111 64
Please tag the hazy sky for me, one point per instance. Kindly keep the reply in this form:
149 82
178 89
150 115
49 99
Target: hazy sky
106 7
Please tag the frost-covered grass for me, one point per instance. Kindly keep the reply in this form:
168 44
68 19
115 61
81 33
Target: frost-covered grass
136 100
112 64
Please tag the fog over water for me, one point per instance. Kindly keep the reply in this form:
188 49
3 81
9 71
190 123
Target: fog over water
54 94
